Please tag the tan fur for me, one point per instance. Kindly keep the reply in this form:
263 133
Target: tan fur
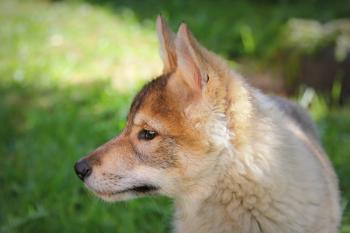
234 159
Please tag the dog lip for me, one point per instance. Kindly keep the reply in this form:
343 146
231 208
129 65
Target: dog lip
143 189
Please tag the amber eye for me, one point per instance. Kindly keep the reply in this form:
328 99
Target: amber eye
147 134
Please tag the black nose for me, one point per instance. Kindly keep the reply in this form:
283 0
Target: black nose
83 169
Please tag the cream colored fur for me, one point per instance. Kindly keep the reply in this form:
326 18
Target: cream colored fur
267 175
253 164
276 183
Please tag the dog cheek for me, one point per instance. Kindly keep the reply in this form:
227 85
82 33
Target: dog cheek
167 152
164 156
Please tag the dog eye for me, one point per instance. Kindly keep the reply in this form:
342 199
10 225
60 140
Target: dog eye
147 135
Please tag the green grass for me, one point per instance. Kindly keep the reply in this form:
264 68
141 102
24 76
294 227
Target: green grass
46 130
74 43
67 75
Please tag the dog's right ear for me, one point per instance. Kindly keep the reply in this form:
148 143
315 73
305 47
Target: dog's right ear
167 46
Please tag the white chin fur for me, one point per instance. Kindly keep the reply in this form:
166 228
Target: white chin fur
116 197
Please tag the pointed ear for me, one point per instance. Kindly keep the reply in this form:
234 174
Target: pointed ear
167 45
189 59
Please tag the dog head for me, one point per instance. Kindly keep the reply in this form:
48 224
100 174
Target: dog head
175 130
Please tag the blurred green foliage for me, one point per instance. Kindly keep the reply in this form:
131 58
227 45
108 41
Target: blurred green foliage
233 28
68 71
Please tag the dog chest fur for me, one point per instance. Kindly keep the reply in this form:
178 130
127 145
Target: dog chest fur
272 184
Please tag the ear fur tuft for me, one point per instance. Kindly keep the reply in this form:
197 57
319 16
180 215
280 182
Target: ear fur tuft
167 46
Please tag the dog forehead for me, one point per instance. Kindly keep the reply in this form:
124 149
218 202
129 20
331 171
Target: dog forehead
151 98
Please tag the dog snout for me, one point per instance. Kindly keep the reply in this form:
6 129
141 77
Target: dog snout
83 169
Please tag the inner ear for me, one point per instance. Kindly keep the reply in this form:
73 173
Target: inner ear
189 60
167 45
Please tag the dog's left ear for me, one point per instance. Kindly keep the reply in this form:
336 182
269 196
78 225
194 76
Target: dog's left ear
167 46
190 61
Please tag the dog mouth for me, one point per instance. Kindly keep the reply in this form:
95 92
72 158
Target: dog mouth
137 189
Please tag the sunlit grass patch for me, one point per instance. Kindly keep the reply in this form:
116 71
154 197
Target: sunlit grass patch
73 43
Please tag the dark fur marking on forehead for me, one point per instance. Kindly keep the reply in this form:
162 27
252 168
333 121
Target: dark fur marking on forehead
158 83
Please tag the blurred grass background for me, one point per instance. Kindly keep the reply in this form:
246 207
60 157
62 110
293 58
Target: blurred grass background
69 69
